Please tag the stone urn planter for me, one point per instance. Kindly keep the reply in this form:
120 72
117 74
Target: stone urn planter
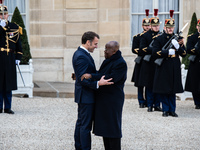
27 73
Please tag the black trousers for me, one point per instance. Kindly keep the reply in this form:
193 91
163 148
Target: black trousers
196 97
112 143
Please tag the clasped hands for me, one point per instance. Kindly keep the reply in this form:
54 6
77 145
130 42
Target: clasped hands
101 82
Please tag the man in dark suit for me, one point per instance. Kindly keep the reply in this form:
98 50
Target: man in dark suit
109 100
84 90
10 55
193 76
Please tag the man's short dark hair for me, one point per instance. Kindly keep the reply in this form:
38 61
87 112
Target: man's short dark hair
89 36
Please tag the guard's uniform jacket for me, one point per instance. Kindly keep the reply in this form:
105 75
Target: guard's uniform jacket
136 50
10 50
193 75
148 67
167 78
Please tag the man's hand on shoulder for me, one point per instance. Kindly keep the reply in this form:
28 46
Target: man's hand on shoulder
103 81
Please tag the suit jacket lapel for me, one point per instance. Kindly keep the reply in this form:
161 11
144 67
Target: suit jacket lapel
88 54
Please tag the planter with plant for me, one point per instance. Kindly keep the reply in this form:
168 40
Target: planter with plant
26 67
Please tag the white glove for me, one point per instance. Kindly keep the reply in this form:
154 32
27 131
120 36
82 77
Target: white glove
171 51
3 23
175 43
17 62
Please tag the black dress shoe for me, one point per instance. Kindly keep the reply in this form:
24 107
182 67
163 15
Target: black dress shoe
173 114
197 107
157 108
150 109
142 106
8 111
165 114
1 110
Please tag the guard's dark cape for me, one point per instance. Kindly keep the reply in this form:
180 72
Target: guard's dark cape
9 39
167 78
136 50
147 71
193 76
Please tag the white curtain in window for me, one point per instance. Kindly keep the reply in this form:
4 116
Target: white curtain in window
12 4
165 6
139 6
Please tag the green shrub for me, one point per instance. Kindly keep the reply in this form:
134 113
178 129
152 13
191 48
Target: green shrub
17 18
192 29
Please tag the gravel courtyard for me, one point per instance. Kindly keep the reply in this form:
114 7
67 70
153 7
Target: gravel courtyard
48 124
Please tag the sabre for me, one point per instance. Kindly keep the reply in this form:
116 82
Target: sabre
184 27
21 75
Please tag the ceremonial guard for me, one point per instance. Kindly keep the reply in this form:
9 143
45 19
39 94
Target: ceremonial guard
193 76
167 80
10 55
147 70
138 60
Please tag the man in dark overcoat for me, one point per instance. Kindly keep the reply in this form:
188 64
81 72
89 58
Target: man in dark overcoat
109 100
193 76
167 80
138 60
10 55
147 71
84 90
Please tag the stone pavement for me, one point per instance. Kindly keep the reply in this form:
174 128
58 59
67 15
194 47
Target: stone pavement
42 123
66 90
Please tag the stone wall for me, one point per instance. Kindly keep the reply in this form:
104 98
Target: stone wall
47 38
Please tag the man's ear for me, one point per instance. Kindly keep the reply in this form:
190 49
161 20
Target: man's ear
88 42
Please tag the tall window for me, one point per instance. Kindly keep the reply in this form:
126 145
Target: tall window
163 6
22 6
